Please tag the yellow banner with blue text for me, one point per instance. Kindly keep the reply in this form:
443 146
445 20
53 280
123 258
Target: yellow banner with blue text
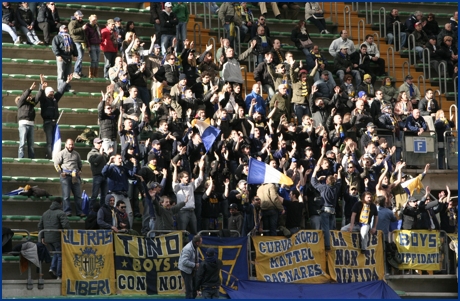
148 266
348 263
298 259
418 249
87 263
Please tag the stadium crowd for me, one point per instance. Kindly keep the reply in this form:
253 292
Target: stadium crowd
329 137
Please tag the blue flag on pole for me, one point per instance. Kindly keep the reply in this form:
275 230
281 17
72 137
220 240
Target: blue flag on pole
208 134
56 141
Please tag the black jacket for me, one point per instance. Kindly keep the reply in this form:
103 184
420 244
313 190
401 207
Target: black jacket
24 16
168 73
60 50
46 15
97 161
137 77
25 107
49 106
8 15
208 273
168 23
108 124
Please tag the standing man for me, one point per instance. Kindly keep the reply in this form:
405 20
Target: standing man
48 20
49 110
117 179
26 119
98 158
77 32
393 17
108 123
374 53
188 264
68 163
64 48
54 218
109 45
329 192
185 192
121 32
168 23
208 279
271 206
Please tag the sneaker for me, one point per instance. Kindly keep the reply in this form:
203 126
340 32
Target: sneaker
326 32
58 278
52 273
18 41
278 17
76 75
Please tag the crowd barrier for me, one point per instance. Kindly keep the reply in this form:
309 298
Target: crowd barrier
96 262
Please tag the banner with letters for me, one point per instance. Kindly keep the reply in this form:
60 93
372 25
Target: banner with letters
148 266
87 263
347 263
418 249
234 255
298 259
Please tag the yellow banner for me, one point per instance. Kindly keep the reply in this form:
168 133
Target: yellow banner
347 263
299 259
148 266
87 263
418 249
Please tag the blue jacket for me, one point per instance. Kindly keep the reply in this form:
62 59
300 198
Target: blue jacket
117 177
414 125
260 105
328 193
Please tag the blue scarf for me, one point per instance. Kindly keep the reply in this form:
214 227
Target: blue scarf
67 41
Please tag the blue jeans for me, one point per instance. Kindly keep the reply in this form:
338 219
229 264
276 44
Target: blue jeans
144 94
99 185
210 293
26 132
315 222
94 53
48 128
270 91
81 52
64 69
181 35
11 31
327 224
109 61
56 262
300 111
402 35
270 221
31 35
166 41
67 186
319 23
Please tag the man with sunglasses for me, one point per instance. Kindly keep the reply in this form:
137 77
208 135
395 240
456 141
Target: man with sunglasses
48 20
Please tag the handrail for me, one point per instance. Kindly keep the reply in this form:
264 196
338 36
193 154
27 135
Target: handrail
368 12
439 97
355 6
408 69
443 64
456 116
199 33
217 231
397 36
167 231
392 60
218 30
238 39
213 46
346 10
426 51
245 79
409 39
22 230
424 84
336 19
359 29
376 36
384 23
204 12
446 154
455 89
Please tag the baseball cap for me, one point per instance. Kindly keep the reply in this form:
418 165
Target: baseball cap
168 4
344 46
366 76
233 206
155 142
308 148
117 19
62 27
48 90
408 76
79 13
182 76
97 140
210 252
370 124
361 94
157 46
153 185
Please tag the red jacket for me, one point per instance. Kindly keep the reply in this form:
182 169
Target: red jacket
106 41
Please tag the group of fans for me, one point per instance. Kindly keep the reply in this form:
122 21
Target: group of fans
330 139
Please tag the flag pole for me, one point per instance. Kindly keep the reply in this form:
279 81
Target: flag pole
60 115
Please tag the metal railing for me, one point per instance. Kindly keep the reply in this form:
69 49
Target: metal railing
422 82
438 93
334 20
425 61
455 114
361 23
199 34
384 23
442 76
214 50
245 79
376 36
347 11
450 149
411 47
217 231
397 37
192 8
455 90
355 6
406 63
184 232
205 21
392 65
237 40
369 17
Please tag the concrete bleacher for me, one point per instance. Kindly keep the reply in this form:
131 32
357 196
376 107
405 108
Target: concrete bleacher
22 64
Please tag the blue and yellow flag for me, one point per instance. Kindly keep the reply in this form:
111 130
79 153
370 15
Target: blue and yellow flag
148 266
87 263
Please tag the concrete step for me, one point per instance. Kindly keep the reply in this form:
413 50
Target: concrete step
39 169
75 100
12 133
40 151
45 68
79 85
423 283
87 118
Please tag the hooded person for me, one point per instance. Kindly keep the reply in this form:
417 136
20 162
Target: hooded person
207 278
106 216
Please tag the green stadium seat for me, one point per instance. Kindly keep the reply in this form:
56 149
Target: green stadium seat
50 77
80 110
19 60
18 76
65 110
18 197
96 94
23 160
40 46
10 142
4 75
93 127
16 217
7 160
92 7
131 10
54 180
74 218
104 8
93 111
39 179
99 79
50 62
35 61
33 218
10 125
83 94
13 92
41 161
73 6
6 60
10 108
118 9
33 77
10 258
6 178
20 178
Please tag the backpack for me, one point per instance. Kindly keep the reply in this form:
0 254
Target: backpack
87 136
